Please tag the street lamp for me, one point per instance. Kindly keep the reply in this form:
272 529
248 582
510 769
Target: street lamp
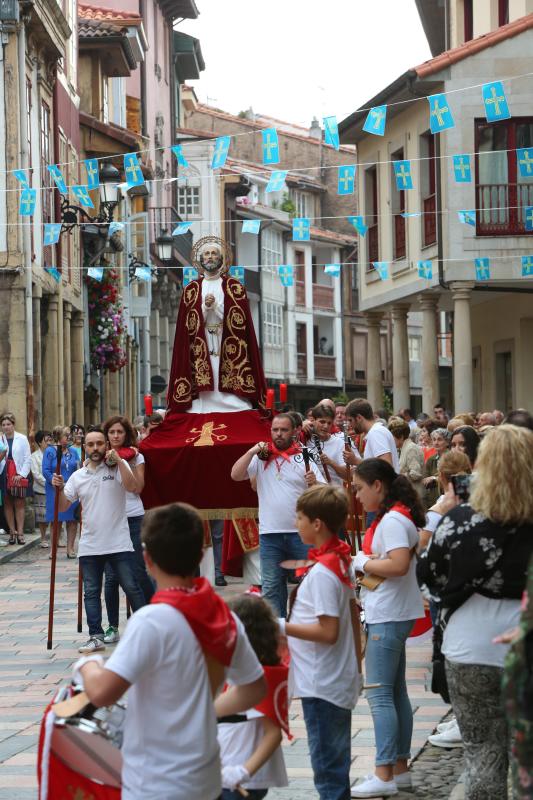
109 180
134 264
164 244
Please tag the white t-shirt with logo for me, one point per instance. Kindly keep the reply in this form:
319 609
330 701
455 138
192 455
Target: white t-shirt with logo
325 671
238 740
396 599
170 748
134 504
379 440
104 527
278 488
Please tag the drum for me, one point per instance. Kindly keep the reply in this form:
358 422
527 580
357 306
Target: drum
79 751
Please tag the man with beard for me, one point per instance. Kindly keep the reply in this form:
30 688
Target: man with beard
216 365
101 486
277 471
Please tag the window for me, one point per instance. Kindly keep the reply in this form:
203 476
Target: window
468 19
273 325
105 100
414 348
271 249
427 184
118 102
503 12
189 201
371 210
47 195
502 195
303 203
398 208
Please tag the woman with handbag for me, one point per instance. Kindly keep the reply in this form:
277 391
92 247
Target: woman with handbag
69 465
392 602
475 569
15 467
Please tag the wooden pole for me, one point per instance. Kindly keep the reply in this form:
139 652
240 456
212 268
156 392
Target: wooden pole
55 535
80 577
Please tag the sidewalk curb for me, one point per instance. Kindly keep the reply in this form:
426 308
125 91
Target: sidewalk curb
9 553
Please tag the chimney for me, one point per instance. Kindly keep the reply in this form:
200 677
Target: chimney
315 131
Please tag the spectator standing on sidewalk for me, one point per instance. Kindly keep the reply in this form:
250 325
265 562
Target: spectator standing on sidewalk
69 464
475 568
15 465
280 477
101 487
120 434
42 440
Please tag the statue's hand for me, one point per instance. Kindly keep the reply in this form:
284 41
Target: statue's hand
209 300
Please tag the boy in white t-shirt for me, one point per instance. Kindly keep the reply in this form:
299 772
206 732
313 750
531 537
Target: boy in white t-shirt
331 447
323 636
174 652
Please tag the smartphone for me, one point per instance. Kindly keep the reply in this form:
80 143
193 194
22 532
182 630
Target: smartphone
461 486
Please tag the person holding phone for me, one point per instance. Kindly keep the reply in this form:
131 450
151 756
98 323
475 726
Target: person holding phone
475 570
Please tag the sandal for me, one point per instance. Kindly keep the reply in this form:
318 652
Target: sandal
44 544
21 539
12 539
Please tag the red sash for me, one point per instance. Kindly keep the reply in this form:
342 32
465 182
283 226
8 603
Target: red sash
274 453
207 614
275 705
369 535
336 556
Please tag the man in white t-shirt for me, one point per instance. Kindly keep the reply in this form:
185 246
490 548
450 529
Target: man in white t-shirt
279 479
379 441
165 659
105 535
331 447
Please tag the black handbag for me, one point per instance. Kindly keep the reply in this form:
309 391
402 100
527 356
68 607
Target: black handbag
439 683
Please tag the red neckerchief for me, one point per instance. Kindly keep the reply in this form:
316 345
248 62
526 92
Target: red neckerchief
127 453
335 555
207 614
274 453
275 705
369 535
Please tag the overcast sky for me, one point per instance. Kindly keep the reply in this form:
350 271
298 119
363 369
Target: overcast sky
295 59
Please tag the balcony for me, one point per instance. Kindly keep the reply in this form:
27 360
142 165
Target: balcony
502 208
399 237
373 246
166 218
323 297
430 220
325 367
301 366
300 293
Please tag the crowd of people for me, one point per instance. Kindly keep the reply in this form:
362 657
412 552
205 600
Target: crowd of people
446 507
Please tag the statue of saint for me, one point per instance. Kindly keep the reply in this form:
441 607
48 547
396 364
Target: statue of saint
216 366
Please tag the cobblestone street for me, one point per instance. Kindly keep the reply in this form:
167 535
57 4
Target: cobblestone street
29 675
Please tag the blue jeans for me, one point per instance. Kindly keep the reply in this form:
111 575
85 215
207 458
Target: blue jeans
92 570
217 536
253 794
390 705
273 549
329 730
143 579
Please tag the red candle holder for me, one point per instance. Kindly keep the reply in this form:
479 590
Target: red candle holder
148 405
270 398
283 393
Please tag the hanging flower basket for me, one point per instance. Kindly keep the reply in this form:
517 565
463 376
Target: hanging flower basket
106 323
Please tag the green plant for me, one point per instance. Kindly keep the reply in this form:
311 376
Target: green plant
287 205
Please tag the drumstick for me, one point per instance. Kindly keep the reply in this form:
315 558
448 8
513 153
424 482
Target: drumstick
242 791
55 526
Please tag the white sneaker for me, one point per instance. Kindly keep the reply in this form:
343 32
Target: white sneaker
446 726
111 636
372 786
92 645
3 543
404 780
449 738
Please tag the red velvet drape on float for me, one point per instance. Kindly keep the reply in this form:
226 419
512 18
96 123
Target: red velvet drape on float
241 371
189 459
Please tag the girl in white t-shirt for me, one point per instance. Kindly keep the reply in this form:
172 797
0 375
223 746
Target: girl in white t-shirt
250 743
390 613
